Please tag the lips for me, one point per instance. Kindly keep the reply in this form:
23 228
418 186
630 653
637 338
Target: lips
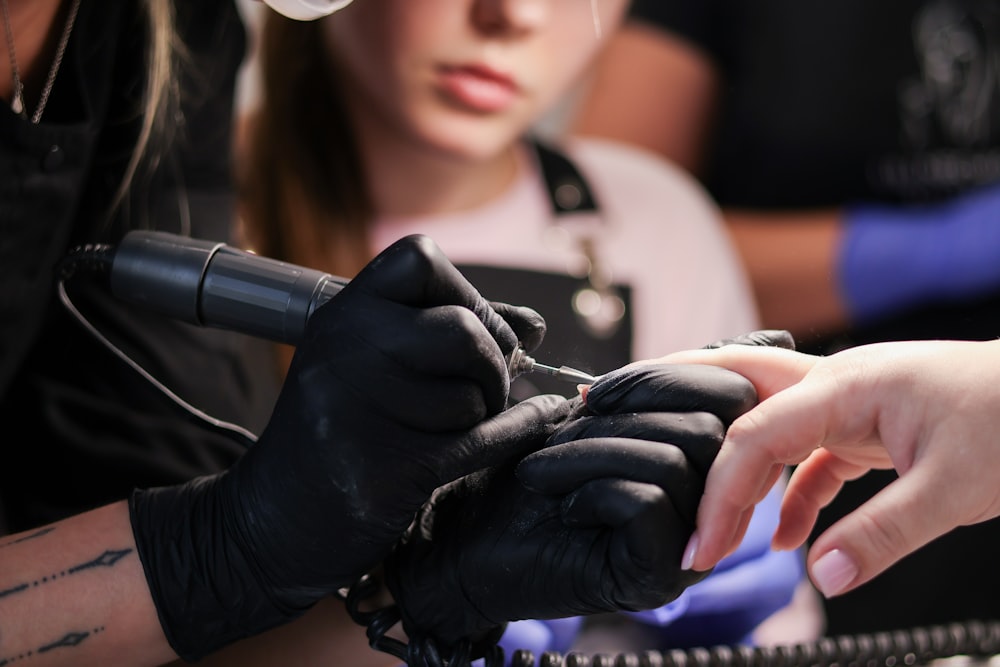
477 88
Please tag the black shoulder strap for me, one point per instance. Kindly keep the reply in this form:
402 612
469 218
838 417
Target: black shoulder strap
568 190
570 338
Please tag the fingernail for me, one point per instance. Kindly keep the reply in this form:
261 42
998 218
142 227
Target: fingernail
690 551
833 572
582 389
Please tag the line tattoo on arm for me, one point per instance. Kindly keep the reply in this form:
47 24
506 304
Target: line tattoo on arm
31 536
69 640
108 559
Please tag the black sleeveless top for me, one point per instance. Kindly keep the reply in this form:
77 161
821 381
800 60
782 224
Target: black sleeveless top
89 429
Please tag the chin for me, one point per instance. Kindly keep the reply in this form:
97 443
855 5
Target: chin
473 142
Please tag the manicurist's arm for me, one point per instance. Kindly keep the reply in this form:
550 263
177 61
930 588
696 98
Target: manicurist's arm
74 593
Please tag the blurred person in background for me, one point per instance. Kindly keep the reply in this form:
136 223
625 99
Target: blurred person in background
853 148
423 124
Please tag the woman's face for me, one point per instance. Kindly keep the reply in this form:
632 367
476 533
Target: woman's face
462 77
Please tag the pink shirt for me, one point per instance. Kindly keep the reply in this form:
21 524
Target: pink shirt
658 231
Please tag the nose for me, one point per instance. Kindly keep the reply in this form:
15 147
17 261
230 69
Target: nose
513 17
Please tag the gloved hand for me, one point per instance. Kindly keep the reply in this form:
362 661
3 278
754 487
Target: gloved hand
396 389
762 337
596 521
893 257
748 585
528 325
745 588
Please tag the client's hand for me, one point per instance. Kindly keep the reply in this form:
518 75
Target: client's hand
396 389
597 521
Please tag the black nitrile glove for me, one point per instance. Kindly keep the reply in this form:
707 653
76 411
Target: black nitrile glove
595 522
765 337
528 324
396 389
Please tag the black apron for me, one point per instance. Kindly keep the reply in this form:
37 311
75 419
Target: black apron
569 339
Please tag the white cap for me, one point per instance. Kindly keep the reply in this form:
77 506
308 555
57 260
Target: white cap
306 10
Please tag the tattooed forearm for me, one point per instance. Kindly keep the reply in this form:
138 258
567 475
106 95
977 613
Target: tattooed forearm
32 536
75 593
107 559
69 640
14 589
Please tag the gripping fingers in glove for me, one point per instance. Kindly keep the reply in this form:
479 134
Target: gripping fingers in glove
761 338
647 535
411 310
486 551
562 469
435 369
528 324
657 424
397 387
698 435
414 271
652 387
594 522
665 387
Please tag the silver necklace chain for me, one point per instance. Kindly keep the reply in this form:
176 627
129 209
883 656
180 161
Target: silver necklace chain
17 101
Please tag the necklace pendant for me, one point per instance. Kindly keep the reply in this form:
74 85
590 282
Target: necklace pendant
17 104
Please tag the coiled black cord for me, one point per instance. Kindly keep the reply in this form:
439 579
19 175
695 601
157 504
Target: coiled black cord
900 648
419 651
92 258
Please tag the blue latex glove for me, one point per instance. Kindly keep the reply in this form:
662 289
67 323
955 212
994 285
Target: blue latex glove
893 258
539 636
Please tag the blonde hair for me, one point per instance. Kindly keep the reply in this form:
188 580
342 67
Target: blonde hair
161 96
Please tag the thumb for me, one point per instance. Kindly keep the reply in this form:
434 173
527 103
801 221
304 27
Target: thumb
509 436
527 323
904 516
415 271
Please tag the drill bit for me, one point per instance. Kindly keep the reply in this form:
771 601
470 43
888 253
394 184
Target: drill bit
563 373
520 363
